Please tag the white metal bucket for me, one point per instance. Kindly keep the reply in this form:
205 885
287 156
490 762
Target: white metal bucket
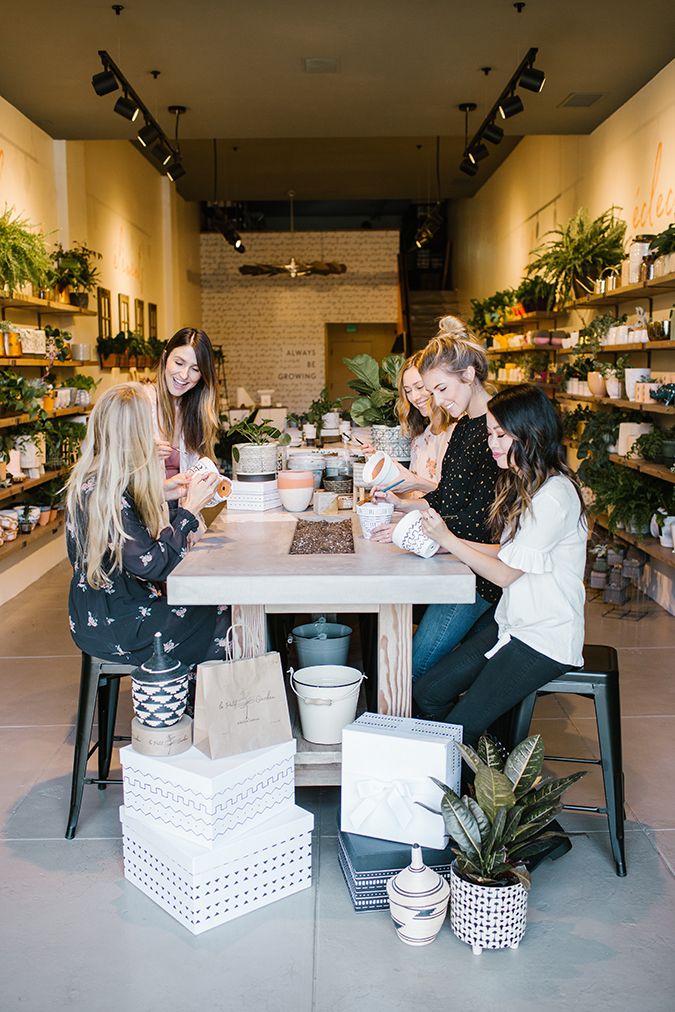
327 697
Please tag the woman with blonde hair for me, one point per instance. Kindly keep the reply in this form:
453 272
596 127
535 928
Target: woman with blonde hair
454 369
428 427
185 401
120 546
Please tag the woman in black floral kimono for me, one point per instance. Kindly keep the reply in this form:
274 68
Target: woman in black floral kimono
121 546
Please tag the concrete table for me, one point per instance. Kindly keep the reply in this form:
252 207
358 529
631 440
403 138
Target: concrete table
243 560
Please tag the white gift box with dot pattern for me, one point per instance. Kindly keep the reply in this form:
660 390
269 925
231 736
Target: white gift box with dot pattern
204 888
208 801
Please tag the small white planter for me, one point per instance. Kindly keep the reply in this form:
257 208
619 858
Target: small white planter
613 387
487 917
256 458
392 441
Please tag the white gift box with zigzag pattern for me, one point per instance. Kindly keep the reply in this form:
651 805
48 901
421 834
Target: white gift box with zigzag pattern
208 801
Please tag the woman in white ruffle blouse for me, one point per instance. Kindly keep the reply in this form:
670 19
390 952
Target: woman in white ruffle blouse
538 629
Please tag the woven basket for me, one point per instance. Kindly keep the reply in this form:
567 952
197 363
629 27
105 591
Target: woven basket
487 917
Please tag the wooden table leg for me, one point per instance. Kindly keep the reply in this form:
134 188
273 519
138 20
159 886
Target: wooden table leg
249 632
394 659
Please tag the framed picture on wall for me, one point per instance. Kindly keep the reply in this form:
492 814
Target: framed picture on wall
123 310
104 312
152 319
139 313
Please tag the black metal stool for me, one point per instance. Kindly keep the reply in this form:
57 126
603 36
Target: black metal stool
100 680
600 681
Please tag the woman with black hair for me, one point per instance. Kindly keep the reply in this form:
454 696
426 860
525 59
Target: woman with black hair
538 628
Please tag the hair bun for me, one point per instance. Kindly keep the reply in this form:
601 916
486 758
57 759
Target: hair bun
452 326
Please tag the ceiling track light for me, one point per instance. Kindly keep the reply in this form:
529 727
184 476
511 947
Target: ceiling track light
429 226
508 104
130 105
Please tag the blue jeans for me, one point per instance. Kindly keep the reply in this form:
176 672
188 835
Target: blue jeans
442 627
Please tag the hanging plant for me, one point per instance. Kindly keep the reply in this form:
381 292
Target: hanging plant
23 254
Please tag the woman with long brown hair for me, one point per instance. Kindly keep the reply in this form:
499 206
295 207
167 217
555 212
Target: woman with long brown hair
428 426
538 516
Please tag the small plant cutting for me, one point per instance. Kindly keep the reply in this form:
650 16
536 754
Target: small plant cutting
376 386
578 253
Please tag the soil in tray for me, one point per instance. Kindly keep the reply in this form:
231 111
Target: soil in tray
320 537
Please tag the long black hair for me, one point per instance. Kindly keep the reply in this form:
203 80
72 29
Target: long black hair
527 414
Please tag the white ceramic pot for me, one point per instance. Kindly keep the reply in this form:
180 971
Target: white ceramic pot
296 500
392 441
309 432
381 469
409 535
487 917
331 421
372 515
256 459
418 901
206 466
631 377
613 387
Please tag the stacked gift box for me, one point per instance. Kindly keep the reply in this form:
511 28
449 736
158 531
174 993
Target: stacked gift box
254 495
211 839
390 801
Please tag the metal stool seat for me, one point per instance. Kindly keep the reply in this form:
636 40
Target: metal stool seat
598 680
99 680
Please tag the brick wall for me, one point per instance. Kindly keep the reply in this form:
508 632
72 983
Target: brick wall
272 329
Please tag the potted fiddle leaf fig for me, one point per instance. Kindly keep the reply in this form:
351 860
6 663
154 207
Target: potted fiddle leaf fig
375 405
493 836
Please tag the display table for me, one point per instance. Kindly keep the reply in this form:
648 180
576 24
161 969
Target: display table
243 560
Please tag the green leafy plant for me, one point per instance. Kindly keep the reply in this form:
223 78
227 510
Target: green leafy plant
578 367
577 254
81 382
295 420
61 341
17 394
572 419
320 407
249 431
23 254
664 242
535 294
618 370
376 386
504 824
489 314
535 364
74 268
156 348
591 336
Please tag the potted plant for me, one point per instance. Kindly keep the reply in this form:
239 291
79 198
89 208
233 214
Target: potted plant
23 254
25 525
17 395
85 386
535 294
324 413
577 254
74 273
493 834
155 350
662 247
11 339
58 343
655 446
376 386
614 377
253 445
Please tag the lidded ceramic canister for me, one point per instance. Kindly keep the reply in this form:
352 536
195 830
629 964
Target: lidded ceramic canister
159 688
418 901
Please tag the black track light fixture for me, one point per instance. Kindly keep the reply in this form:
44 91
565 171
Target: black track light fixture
148 134
174 171
470 168
104 82
221 223
510 106
493 133
478 152
125 106
161 153
430 226
532 79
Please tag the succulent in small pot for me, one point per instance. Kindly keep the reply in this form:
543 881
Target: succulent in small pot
494 833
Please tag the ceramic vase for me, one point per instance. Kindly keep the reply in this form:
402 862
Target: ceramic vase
159 688
391 440
596 383
487 917
613 387
296 489
418 901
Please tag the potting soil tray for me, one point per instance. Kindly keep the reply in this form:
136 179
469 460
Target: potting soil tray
321 537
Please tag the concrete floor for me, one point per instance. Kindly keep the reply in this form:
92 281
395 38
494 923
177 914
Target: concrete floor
75 935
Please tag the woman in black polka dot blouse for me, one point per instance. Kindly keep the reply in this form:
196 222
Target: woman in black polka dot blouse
454 369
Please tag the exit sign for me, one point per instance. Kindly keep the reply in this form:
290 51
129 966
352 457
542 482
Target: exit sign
351 328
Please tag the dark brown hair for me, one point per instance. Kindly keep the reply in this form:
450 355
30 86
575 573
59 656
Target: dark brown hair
199 406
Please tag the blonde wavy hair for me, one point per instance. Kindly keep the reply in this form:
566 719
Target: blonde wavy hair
119 457
199 406
413 422
455 349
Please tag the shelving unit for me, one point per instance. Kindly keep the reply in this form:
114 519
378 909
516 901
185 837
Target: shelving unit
644 467
23 486
621 349
32 360
618 402
43 307
24 541
650 546
13 420
639 290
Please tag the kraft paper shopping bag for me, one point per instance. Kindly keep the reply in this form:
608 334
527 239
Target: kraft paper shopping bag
240 706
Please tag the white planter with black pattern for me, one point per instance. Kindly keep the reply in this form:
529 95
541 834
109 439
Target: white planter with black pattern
159 688
391 440
487 917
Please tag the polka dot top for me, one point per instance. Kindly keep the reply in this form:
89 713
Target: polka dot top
466 489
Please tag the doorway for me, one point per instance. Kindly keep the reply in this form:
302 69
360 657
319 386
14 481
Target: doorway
345 340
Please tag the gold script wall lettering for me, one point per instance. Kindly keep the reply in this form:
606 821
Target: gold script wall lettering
126 261
660 203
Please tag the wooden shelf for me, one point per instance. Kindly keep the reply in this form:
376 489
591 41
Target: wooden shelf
528 318
517 383
644 467
650 546
620 349
33 360
12 420
639 290
23 486
494 352
616 402
37 536
44 306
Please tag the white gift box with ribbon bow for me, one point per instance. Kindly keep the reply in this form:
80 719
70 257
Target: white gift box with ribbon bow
387 765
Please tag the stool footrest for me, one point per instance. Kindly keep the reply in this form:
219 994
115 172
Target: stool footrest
95 780
568 759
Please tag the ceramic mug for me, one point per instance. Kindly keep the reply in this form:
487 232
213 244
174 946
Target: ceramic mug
372 515
409 535
205 466
381 469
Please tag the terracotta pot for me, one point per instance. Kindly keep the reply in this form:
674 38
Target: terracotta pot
108 361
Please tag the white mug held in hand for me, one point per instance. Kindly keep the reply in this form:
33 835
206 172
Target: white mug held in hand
205 466
409 535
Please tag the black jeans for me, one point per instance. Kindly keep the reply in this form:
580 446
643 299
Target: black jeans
491 687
